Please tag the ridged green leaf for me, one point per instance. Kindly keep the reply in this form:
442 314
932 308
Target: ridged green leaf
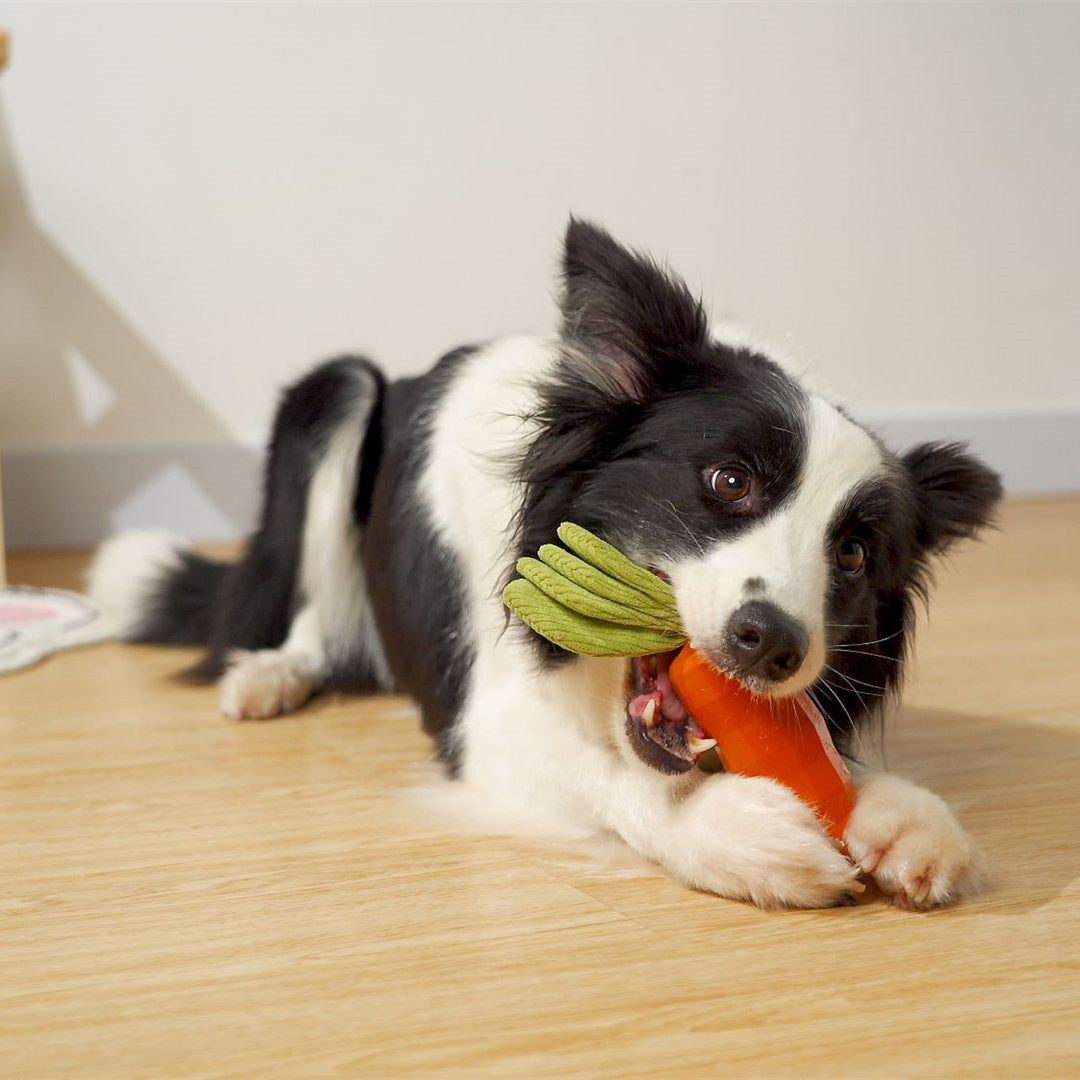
614 563
595 602
579 633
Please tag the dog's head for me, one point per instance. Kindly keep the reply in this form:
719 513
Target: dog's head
795 541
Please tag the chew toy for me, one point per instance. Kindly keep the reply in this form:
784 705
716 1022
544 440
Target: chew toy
591 599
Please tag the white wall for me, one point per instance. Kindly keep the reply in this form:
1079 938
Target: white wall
207 197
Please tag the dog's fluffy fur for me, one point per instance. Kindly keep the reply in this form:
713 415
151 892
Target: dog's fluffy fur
393 514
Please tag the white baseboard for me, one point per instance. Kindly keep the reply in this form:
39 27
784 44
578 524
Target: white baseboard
78 496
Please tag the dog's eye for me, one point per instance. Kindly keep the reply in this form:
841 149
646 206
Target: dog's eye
851 555
732 484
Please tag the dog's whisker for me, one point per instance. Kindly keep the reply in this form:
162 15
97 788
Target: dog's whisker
876 641
863 652
878 690
855 690
862 695
821 705
840 701
686 528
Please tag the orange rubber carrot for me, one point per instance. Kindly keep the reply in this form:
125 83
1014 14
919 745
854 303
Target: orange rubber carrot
785 739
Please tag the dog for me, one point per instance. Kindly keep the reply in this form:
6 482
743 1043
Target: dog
796 543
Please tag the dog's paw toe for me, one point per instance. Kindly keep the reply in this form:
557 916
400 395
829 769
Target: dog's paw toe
908 839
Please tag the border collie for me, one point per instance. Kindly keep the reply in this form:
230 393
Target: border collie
796 543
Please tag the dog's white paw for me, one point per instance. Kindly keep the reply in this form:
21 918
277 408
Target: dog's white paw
912 844
261 684
750 838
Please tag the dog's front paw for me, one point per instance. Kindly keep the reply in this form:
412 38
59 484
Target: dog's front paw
912 844
750 838
258 685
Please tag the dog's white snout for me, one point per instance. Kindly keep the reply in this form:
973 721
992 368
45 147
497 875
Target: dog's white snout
756 605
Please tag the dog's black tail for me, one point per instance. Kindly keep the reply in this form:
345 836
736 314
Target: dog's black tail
158 591
155 589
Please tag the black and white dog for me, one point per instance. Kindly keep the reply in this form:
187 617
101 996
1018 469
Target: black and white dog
796 543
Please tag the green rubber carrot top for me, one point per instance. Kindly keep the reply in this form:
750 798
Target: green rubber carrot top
592 599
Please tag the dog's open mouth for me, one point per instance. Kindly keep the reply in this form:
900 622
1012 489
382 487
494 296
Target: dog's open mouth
658 726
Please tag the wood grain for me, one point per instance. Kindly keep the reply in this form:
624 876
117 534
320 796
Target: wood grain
182 896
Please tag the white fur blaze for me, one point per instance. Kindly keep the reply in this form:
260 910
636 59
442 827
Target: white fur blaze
127 570
786 550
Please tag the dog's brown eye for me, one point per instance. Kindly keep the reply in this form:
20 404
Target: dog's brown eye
851 555
730 484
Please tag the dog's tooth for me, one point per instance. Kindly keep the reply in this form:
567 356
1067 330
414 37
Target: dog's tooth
698 746
648 717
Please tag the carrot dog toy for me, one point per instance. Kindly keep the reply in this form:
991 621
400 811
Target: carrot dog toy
589 598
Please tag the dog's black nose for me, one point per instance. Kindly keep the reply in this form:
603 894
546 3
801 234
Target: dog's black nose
764 641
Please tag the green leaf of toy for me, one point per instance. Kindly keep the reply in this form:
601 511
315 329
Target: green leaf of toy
596 602
613 562
596 582
579 633
573 596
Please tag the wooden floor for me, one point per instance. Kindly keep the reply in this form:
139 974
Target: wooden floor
183 896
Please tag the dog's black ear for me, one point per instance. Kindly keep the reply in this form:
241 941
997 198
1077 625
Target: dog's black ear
955 493
625 309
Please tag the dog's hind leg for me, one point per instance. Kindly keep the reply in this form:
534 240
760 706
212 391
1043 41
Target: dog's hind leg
331 633
293 614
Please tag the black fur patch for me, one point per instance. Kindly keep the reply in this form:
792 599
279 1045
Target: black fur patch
868 615
415 581
932 496
181 611
955 493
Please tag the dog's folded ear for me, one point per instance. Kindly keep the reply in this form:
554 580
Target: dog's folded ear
625 310
955 493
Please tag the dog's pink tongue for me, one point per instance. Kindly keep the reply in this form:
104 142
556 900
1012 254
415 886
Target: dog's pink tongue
659 705
670 704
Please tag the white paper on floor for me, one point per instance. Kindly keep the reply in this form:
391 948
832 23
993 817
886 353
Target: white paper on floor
37 622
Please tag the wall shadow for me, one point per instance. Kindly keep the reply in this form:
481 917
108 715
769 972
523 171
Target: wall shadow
56 462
